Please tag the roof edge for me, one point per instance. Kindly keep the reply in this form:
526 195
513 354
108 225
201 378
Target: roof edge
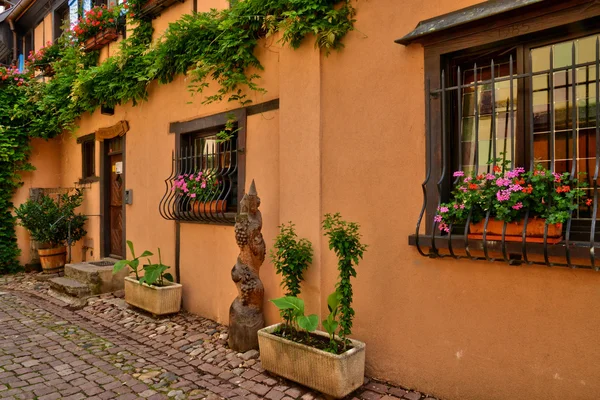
462 16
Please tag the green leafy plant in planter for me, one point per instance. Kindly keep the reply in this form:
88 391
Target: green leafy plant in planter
291 256
53 222
306 355
344 239
154 274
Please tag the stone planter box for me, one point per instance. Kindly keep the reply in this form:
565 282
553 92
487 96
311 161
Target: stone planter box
331 374
155 300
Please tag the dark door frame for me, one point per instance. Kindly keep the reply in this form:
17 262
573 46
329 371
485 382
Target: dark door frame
105 198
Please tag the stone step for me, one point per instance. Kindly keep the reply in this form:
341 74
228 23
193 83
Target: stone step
97 275
70 286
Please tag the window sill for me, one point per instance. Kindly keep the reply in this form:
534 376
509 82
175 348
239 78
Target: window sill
153 8
90 179
227 218
576 254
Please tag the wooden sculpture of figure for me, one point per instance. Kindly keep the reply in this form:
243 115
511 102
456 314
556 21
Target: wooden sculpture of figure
246 311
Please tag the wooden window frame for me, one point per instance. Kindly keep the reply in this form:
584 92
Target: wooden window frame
517 28
208 126
524 27
88 176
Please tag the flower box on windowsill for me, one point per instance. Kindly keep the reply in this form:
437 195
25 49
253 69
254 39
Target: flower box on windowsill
101 39
153 8
514 231
215 206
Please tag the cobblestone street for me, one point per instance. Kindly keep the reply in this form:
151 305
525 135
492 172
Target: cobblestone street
109 351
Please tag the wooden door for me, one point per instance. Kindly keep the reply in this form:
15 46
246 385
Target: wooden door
113 223
116 206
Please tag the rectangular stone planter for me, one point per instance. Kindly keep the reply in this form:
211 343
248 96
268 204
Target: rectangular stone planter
155 300
331 374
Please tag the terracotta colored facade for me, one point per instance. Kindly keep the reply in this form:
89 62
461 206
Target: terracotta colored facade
349 136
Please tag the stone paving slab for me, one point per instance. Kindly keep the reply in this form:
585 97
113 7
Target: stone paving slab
108 350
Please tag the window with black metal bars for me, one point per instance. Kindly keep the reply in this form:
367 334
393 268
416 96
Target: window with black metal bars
478 122
205 158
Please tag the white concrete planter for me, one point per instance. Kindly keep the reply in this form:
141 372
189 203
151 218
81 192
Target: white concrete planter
331 374
155 300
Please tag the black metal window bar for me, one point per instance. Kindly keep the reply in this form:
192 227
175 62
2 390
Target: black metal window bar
206 159
565 126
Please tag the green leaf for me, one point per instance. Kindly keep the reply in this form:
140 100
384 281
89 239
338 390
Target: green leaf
333 302
119 265
309 323
330 325
130 245
290 303
169 277
146 253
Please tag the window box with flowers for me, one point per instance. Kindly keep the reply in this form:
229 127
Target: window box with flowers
489 200
201 192
42 60
98 27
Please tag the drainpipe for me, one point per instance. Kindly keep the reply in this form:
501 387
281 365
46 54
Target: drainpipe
15 14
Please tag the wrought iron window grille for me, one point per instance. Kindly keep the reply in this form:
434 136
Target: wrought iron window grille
205 160
581 124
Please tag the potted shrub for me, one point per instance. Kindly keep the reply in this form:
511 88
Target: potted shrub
53 223
155 291
330 361
506 194
201 190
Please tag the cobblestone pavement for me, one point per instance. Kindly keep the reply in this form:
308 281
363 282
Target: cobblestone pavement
108 350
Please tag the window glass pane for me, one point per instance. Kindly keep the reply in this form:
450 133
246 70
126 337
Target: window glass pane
494 104
540 59
573 137
73 12
216 159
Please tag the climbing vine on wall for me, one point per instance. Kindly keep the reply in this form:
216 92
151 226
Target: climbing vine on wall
214 46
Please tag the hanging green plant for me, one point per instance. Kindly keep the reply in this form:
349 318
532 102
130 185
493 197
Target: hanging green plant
214 46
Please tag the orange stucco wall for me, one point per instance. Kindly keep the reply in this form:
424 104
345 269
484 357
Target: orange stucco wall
44 156
349 137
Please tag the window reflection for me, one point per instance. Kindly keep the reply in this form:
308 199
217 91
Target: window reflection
580 145
478 139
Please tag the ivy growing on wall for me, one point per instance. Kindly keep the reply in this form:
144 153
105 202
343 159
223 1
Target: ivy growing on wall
210 46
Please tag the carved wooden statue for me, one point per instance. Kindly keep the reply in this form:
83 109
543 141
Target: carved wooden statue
246 311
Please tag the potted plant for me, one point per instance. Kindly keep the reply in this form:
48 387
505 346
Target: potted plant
155 291
506 194
53 223
42 60
330 361
201 190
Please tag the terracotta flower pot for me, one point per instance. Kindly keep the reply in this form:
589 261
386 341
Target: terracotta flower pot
215 206
514 231
53 260
335 375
